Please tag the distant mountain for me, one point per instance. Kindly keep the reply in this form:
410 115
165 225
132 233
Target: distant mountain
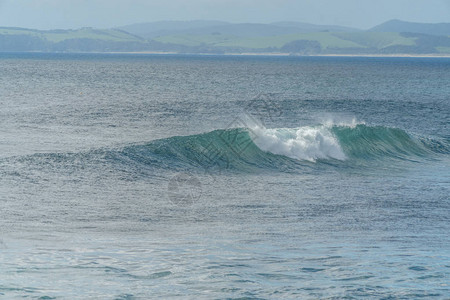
215 37
153 29
79 40
306 27
158 29
424 28
243 30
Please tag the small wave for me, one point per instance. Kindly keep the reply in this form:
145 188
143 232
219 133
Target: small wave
250 149
247 148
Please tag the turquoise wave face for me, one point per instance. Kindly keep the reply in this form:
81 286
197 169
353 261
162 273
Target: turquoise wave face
217 150
285 148
378 142
251 150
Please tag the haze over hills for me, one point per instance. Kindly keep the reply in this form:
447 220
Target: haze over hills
80 40
392 37
154 29
313 27
157 29
402 26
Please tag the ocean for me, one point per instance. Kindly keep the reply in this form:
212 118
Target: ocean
224 177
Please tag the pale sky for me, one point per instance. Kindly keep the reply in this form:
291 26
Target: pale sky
50 14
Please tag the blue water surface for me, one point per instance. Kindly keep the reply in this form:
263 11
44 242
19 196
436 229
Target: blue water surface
222 177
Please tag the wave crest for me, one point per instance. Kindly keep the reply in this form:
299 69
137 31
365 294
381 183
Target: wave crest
305 143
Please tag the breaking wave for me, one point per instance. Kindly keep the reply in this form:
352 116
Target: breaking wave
247 148
252 149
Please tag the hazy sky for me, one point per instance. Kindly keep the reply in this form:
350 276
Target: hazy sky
46 14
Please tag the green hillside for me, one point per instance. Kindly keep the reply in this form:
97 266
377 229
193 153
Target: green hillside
83 33
80 40
377 40
443 50
196 40
327 40
439 29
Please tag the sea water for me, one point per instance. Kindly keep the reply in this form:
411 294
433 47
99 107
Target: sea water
215 177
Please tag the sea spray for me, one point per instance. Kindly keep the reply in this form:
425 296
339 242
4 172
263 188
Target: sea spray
305 143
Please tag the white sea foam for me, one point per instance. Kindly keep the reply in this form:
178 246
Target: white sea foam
304 143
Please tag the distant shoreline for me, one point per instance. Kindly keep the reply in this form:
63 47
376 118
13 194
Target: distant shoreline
285 54
246 54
